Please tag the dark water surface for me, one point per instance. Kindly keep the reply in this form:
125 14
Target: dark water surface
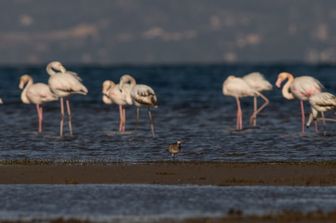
191 108
127 203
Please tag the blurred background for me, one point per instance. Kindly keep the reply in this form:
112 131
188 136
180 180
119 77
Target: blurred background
165 32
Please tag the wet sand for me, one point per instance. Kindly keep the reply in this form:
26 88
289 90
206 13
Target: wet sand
197 173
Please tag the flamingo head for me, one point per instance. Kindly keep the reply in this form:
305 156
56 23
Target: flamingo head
281 77
24 79
126 78
107 85
56 66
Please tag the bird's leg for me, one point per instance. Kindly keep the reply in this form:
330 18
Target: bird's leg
239 115
38 117
316 126
323 118
302 117
41 117
62 117
120 118
69 115
124 118
255 107
137 117
151 122
266 102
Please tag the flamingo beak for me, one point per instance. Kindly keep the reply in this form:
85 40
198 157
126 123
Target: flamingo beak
278 83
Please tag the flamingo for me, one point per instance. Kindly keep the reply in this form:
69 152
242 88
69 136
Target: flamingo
237 88
301 88
257 81
140 95
112 94
64 83
320 103
38 94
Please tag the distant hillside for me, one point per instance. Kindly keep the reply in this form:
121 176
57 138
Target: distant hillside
167 31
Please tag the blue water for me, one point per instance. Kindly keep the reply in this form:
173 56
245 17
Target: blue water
191 108
143 203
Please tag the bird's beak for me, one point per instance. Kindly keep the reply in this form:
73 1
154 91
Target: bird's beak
21 85
278 83
1 101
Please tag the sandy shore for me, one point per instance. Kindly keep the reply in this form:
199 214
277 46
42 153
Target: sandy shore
198 173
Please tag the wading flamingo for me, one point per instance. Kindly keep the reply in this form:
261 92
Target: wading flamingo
112 94
320 103
140 95
301 88
63 83
37 94
238 88
257 81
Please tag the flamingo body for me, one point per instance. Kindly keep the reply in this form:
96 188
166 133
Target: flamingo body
301 88
38 94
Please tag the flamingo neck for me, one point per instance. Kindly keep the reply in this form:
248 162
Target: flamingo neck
24 97
127 79
52 71
285 90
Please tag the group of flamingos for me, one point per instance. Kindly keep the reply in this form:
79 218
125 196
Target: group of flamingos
63 83
304 88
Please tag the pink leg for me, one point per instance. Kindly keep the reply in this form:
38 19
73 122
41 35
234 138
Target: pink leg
302 117
239 115
69 115
253 117
39 118
62 117
124 118
120 118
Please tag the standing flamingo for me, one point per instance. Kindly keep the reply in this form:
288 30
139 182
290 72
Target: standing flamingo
237 88
140 95
63 83
301 88
112 94
257 81
320 103
37 94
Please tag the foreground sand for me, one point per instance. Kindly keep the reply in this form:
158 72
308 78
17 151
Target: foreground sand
199 173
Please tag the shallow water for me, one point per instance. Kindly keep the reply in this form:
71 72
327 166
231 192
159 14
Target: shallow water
152 202
191 108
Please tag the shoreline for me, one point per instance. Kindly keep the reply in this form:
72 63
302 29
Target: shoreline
172 173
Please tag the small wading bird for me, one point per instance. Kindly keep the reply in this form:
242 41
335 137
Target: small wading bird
63 83
257 81
140 95
320 103
238 88
112 94
174 148
301 88
38 94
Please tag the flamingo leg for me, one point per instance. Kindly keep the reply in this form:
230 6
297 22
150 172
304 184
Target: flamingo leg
120 118
302 117
255 107
137 117
39 118
124 118
316 126
254 115
239 115
323 119
62 117
69 115
151 122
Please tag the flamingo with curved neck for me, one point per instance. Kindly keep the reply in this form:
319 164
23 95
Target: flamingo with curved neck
139 95
301 88
38 94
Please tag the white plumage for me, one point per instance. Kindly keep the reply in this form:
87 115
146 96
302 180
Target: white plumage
320 103
140 95
38 94
64 83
